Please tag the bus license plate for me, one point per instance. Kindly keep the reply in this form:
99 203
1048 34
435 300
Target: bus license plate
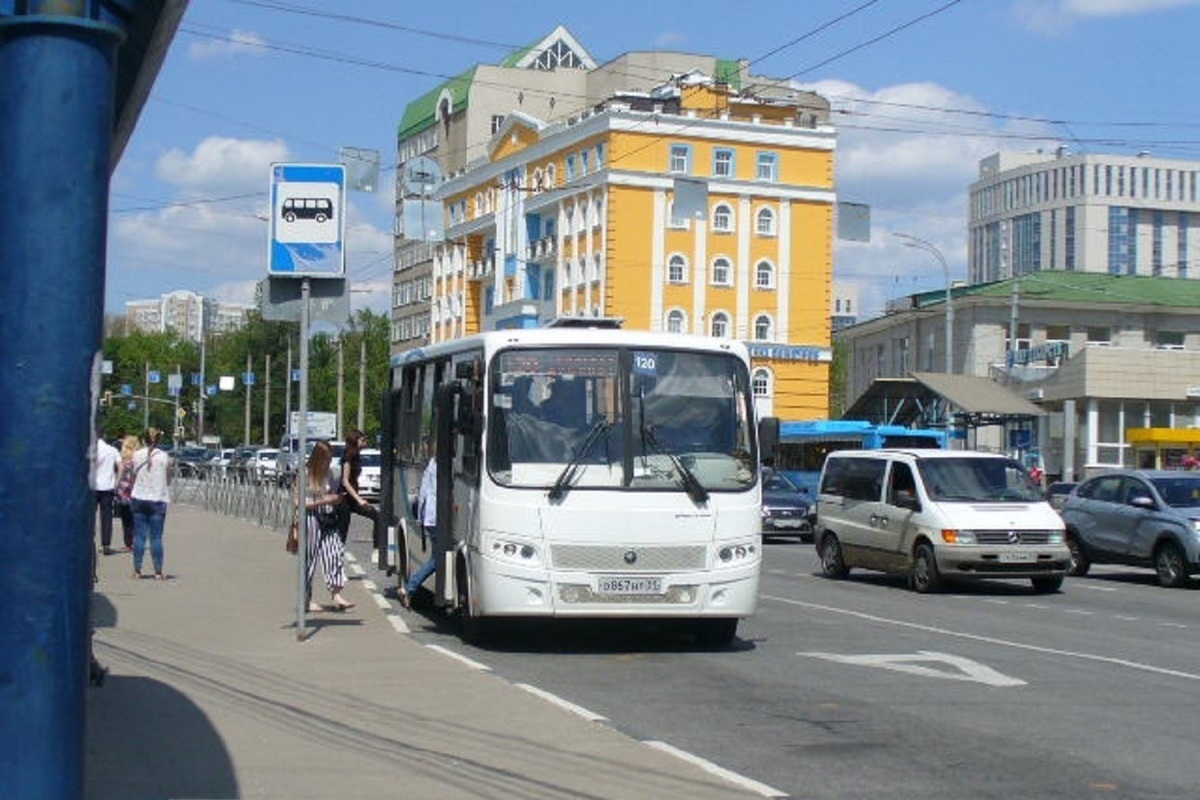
1018 557
618 584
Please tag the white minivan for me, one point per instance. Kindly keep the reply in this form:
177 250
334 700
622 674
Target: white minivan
935 515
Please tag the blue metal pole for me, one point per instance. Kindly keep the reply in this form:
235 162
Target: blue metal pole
56 117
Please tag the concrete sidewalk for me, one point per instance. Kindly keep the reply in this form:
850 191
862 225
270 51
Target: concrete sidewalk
210 695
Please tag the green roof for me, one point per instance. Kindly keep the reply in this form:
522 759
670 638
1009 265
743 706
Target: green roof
729 71
422 112
1095 287
516 55
1079 287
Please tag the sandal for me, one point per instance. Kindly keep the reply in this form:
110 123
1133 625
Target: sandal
313 608
405 600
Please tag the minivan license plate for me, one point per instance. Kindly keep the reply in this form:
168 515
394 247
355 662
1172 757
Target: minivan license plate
621 584
1019 556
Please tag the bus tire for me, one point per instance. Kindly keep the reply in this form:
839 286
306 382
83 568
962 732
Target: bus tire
471 627
716 634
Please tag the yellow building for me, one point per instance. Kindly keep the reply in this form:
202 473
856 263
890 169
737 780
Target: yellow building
692 208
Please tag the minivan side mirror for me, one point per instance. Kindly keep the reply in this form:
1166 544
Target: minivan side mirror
906 498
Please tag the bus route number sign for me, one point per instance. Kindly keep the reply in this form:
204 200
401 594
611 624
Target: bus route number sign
645 362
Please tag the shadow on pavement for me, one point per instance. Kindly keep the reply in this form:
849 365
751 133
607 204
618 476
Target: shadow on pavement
160 745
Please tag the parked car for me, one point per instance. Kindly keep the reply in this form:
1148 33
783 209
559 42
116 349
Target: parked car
220 461
369 476
242 462
188 460
264 469
1056 493
1144 518
786 508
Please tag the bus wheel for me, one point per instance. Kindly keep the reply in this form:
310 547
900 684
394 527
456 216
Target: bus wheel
716 634
472 629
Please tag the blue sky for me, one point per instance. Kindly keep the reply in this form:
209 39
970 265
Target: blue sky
922 89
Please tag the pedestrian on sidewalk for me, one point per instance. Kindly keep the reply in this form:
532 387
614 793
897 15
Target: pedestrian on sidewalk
323 541
129 445
352 501
149 498
106 463
427 518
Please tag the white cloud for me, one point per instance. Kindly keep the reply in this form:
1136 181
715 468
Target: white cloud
238 43
220 164
669 39
1052 17
909 152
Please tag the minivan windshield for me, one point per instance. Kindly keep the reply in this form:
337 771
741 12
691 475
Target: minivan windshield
971 479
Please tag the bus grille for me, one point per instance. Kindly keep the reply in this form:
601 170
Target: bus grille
649 558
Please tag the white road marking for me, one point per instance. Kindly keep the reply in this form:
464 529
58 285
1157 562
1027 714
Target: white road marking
1172 625
1033 648
1088 585
398 623
590 716
1078 611
458 657
918 664
708 766
1125 617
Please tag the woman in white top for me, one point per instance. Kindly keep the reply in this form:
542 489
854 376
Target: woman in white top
148 501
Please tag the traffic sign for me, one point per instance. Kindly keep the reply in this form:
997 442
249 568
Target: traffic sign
308 220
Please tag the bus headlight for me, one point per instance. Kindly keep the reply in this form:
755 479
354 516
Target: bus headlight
736 554
515 552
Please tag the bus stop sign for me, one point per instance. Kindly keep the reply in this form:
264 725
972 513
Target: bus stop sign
308 220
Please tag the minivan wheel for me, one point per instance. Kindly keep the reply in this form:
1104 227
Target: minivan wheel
832 562
1168 563
1045 584
1079 562
925 578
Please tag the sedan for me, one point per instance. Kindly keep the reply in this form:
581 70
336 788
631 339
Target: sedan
786 508
1145 518
369 475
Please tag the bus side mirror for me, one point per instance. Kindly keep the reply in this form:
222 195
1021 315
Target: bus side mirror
768 439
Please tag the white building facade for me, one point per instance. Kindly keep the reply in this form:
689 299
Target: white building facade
1123 215
191 315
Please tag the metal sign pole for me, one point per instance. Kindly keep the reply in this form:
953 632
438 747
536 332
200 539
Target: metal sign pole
302 469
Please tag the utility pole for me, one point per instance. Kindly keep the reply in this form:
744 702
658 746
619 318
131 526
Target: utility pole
362 382
203 378
267 402
249 389
146 398
287 391
341 389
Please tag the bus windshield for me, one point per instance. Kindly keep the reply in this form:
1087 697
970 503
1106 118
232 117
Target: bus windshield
576 418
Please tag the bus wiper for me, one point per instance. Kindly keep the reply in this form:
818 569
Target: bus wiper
691 483
563 482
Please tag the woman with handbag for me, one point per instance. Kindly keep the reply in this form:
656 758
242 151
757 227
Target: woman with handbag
129 445
352 501
321 528
149 499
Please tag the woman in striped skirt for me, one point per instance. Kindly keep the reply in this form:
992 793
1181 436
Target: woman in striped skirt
321 529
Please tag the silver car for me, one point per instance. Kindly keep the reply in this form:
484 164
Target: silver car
1143 518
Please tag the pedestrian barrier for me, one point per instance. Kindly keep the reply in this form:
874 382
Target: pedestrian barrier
235 493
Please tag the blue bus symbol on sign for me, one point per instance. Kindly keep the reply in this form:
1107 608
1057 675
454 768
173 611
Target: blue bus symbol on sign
307 220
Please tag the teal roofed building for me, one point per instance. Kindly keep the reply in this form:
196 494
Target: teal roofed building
1100 354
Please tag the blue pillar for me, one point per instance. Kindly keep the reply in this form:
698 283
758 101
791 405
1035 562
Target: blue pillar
56 117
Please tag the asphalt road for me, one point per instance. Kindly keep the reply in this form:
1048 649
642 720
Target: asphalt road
860 688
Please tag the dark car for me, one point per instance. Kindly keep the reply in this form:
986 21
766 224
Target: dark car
786 508
1145 518
189 460
1057 492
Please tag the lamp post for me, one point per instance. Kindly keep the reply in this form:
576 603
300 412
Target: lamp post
912 241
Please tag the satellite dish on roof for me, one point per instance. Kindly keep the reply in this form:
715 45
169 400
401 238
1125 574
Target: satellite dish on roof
421 176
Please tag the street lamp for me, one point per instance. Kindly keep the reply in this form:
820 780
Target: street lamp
912 241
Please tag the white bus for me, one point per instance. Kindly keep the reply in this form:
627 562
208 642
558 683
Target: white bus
581 473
